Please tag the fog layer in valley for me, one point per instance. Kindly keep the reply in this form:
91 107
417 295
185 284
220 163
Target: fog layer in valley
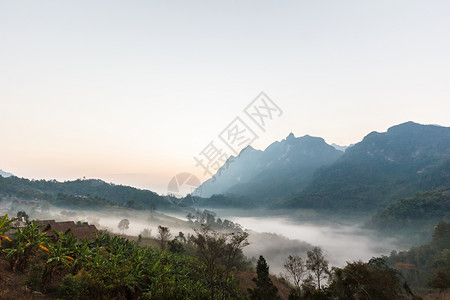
274 237
340 243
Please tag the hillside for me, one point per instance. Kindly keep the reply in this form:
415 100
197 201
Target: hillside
81 193
427 265
382 168
413 218
282 170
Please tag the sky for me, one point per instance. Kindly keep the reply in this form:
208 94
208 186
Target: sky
131 92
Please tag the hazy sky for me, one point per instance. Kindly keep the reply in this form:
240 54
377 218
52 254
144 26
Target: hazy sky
130 92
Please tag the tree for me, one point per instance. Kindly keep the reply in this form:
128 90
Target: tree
146 233
264 290
29 240
124 224
295 266
318 265
440 280
130 204
23 214
236 241
211 248
164 236
190 217
175 246
372 280
181 237
220 252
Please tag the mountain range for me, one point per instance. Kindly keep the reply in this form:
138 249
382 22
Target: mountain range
294 173
382 168
306 172
282 170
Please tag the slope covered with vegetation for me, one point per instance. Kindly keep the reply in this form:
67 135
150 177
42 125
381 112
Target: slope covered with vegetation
426 266
382 168
414 218
111 267
81 193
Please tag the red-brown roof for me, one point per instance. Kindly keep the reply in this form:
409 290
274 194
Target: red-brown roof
78 231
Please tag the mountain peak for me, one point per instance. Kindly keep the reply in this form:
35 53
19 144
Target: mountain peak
290 136
247 150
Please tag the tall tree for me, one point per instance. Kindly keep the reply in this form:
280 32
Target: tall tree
164 236
318 265
211 248
296 268
236 241
264 290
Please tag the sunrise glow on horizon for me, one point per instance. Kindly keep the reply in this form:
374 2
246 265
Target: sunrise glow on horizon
131 93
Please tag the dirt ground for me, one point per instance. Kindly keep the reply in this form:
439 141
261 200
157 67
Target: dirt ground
12 285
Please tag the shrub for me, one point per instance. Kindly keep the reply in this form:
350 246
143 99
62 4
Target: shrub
34 278
73 287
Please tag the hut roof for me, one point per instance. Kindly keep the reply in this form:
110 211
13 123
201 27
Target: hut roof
78 231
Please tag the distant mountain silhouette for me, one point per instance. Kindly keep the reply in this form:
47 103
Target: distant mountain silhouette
382 168
284 169
340 148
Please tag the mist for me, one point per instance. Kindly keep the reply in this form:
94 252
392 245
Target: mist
340 242
274 237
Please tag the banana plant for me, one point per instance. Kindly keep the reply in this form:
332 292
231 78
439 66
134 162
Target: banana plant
60 254
5 226
28 241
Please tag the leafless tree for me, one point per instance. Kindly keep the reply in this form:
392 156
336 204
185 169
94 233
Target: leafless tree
296 268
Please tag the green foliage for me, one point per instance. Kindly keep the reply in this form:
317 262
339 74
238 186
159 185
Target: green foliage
382 168
22 214
420 264
208 218
111 267
372 280
264 290
175 246
34 278
27 243
5 226
80 193
220 252
440 281
73 287
414 217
